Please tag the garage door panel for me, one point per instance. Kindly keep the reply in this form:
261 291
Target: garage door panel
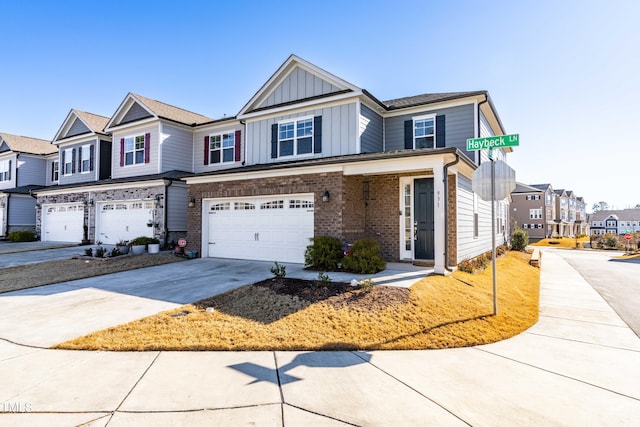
276 230
63 222
124 220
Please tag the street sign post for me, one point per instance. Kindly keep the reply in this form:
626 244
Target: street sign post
483 182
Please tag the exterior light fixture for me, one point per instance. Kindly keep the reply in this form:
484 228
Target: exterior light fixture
325 196
192 202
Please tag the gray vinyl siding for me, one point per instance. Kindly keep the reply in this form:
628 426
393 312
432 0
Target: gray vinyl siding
136 112
468 245
177 207
486 131
459 126
370 131
22 210
77 128
177 149
139 169
299 84
10 183
338 134
31 170
78 177
198 148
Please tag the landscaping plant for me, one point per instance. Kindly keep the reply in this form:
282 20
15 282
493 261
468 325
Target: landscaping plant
23 236
364 258
279 271
519 239
324 253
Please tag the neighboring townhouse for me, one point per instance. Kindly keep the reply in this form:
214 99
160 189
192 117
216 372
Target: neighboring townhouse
581 224
128 184
532 208
320 156
622 221
562 213
22 164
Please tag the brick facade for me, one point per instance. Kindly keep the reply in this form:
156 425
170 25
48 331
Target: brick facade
452 237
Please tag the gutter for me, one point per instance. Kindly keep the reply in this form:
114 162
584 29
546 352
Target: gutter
446 210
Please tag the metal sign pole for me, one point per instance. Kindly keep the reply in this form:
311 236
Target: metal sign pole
493 231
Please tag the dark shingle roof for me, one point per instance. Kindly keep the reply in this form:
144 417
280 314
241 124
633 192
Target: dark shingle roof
428 98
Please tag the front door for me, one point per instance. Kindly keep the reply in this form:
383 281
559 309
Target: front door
423 218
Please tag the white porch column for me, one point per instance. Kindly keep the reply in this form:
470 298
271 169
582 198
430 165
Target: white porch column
439 218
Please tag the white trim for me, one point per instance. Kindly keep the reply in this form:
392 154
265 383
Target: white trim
82 150
222 148
295 138
357 128
420 109
291 109
124 106
124 127
103 187
160 142
124 150
424 117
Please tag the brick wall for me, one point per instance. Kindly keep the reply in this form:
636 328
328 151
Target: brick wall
452 238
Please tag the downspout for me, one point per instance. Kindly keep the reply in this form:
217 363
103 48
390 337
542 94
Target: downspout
446 210
166 212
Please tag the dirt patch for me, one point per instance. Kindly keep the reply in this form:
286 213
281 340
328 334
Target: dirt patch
50 272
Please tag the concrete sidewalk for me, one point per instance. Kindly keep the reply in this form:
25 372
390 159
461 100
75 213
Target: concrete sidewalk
580 365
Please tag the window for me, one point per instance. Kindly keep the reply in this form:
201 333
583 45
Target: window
221 206
549 214
67 159
295 137
134 150
55 171
300 204
533 197
221 148
424 132
535 213
85 158
276 204
5 170
244 206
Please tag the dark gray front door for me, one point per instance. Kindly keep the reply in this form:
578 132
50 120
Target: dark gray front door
423 218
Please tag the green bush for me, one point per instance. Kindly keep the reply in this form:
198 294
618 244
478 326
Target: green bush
279 271
143 240
519 239
324 253
364 258
23 236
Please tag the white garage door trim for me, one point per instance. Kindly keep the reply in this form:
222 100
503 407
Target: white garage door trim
265 228
123 220
2 227
62 222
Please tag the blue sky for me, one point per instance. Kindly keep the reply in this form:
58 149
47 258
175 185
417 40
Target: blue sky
565 75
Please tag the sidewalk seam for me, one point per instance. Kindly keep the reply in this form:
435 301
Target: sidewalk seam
583 342
137 381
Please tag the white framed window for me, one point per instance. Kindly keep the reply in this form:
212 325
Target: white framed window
67 167
85 159
55 171
134 150
535 213
221 147
5 170
295 137
424 132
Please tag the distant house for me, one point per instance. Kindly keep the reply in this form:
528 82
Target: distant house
620 221
22 165
545 212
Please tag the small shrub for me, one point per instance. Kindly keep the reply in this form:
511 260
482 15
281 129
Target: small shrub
366 284
143 240
324 253
473 265
519 239
88 252
279 271
611 240
115 252
100 252
23 236
323 279
364 258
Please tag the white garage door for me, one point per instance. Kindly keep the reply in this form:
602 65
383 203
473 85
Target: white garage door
274 228
62 222
123 220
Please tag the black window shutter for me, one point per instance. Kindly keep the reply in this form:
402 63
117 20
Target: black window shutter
73 161
206 150
9 173
147 147
236 149
79 169
408 134
274 140
53 168
91 156
317 134
440 133
62 167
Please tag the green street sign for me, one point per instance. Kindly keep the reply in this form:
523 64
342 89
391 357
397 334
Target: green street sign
475 144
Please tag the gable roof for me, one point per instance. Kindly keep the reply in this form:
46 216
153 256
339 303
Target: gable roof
620 215
524 188
543 187
91 124
337 86
428 98
25 144
157 109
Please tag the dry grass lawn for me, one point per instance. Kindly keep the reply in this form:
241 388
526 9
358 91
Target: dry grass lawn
566 242
439 312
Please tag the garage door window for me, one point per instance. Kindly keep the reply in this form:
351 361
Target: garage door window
276 204
221 206
243 206
300 204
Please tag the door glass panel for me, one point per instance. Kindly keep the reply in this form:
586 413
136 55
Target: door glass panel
408 241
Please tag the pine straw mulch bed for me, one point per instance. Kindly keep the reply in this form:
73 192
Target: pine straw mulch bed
436 312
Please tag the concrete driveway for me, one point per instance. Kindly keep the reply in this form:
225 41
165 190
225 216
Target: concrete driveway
22 253
47 315
579 365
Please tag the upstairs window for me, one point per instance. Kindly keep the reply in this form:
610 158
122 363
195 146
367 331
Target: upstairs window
5 170
222 147
68 157
85 158
296 137
424 133
55 171
134 149
535 213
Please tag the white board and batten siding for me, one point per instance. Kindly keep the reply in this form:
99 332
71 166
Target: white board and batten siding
468 245
299 84
138 169
339 133
264 228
